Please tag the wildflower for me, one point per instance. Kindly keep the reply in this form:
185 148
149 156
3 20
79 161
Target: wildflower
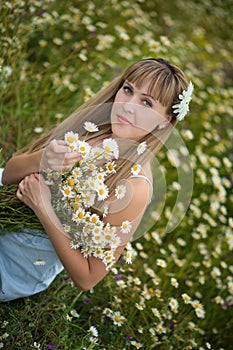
84 148
74 244
102 192
117 318
74 313
111 167
186 298
43 43
38 130
141 148
126 226
200 312
111 147
164 40
187 134
108 312
39 262
90 127
120 191
161 263
154 46
156 312
182 108
135 170
191 326
93 331
173 304
174 282
71 137
136 344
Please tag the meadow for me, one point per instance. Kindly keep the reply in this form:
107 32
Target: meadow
178 292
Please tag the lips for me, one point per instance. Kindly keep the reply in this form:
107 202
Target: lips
123 120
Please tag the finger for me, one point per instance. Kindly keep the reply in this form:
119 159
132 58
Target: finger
19 194
73 155
58 146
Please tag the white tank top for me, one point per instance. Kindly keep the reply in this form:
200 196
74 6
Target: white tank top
149 182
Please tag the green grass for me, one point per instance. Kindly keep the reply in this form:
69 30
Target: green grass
49 79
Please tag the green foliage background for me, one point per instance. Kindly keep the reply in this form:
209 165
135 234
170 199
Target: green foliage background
54 55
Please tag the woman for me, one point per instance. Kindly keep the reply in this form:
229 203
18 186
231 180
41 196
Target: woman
139 108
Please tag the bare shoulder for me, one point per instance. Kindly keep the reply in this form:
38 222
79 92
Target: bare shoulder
132 206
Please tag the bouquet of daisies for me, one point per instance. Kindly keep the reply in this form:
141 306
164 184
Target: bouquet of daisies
75 192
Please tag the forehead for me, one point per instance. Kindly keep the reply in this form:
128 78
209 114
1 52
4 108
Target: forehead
143 87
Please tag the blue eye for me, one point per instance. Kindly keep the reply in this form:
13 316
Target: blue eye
127 89
147 103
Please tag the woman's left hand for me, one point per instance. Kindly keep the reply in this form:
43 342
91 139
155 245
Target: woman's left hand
34 192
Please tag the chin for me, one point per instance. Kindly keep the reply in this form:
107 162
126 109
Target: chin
127 132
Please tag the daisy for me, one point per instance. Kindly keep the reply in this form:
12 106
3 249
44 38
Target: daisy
67 192
126 226
102 192
161 263
74 244
128 257
174 282
98 253
200 312
97 152
71 137
84 148
154 46
93 331
97 238
186 298
182 108
173 304
117 318
116 241
111 167
110 146
108 312
90 127
120 191
109 258
136 168
136 344
74 313
141 147
95 219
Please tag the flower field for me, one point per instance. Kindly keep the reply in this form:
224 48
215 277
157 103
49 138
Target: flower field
178 292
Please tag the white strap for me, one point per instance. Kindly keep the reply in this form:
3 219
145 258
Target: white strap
1 171
149 182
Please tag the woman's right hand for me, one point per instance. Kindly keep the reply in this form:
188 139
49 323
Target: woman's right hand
57 156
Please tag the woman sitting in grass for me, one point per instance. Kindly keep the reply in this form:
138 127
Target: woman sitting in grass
89 180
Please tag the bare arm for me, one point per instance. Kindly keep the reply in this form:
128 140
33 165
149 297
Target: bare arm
85 272
54 156
21 165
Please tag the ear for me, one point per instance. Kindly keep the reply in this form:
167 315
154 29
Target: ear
165 123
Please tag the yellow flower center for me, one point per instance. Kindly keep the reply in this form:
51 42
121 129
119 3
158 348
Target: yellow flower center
70 139
71 182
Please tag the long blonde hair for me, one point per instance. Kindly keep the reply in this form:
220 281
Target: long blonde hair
166 83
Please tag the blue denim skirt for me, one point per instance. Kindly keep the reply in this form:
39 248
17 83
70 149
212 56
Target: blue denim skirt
28 264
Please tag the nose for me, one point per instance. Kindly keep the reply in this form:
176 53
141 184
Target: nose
129 107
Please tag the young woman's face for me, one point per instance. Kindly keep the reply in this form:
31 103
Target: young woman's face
135 113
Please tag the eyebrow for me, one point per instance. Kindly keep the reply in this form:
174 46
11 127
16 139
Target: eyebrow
127 82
